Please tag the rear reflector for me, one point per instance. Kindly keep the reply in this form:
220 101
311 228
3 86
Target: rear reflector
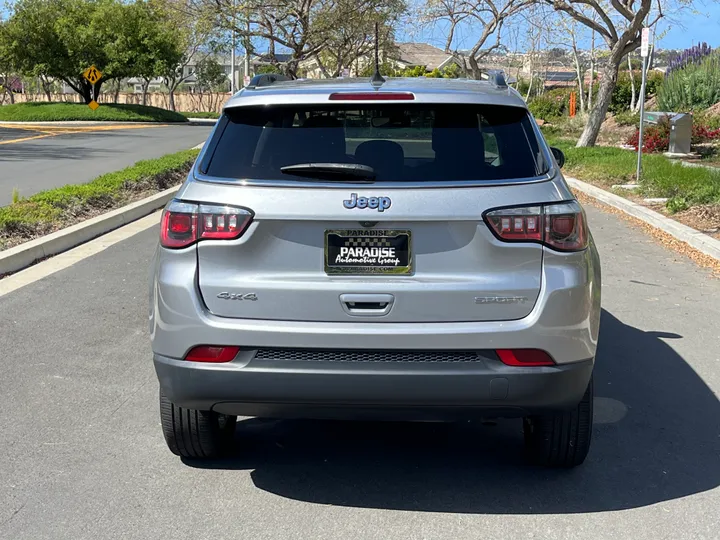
209 353
524 357
372 96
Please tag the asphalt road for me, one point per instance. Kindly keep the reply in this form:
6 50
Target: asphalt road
32 163
84 458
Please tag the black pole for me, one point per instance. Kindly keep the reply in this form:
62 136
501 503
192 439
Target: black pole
377 79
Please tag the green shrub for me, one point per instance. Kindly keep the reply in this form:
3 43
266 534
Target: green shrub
696 86
677 204
30 216
66 112
622 94
627 118
548 106
688 186
200 114
710 121
268 69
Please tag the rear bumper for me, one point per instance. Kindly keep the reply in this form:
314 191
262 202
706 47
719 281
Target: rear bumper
564 321
286 388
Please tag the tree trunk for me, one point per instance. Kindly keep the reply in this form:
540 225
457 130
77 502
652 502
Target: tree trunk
86 91
474 67
632 84
96 90
46 88
116 96
592 71
171 99
597 115
580 76
146 84
527 96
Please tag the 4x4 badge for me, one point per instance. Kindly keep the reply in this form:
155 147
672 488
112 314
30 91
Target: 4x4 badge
374 203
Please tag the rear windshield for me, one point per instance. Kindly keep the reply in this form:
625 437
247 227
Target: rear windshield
420 142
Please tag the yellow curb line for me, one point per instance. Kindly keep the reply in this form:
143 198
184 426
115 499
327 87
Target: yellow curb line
65 130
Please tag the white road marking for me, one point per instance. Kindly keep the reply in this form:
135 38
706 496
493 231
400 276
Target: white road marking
64 260
67 259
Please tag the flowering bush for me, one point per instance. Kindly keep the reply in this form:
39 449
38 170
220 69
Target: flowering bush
693 85
701 133
693 55
656 138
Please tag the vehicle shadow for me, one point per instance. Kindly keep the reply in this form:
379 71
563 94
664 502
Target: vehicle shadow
656 439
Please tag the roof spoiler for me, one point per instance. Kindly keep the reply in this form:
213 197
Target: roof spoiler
267 79
495 76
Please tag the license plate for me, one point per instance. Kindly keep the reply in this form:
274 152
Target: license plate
368 251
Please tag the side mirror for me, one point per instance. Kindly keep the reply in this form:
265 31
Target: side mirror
559 156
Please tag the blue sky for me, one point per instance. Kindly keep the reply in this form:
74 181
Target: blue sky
680 29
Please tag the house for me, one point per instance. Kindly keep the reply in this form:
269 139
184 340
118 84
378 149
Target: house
557 79
402 56
411 55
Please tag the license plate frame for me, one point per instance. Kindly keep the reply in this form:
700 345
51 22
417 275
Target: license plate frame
364 238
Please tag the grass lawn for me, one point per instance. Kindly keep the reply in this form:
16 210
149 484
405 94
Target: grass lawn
684 186
200 114
50 210
68 112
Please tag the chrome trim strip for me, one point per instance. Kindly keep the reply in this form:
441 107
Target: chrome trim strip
199 177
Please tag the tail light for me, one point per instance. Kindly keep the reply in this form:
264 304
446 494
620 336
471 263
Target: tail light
560 226
214 354
183 224
524 357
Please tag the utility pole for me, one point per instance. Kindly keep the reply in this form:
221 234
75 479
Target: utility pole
232 53
247 45
644 52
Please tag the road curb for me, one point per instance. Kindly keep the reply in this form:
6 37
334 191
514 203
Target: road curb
71 123
25 254
700 241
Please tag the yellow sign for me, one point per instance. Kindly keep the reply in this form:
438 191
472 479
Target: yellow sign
93 104
92 74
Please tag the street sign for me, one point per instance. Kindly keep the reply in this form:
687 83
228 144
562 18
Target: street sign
645 42
92 74
93 104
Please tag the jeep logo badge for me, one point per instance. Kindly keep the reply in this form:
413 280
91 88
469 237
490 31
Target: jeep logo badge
374 203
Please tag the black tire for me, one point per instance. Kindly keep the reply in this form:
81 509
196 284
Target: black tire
561 439
196 434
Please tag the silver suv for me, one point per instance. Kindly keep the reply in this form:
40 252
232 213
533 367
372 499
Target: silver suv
403 249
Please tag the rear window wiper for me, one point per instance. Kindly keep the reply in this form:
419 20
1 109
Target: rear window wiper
336 172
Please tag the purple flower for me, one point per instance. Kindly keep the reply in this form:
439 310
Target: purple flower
693 55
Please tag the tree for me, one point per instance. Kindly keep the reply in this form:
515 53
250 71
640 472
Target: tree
7 74
59 39
619 23
305 28
196 38
210 75
565 34
288 24
154 44
62 38
351 32
487 16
